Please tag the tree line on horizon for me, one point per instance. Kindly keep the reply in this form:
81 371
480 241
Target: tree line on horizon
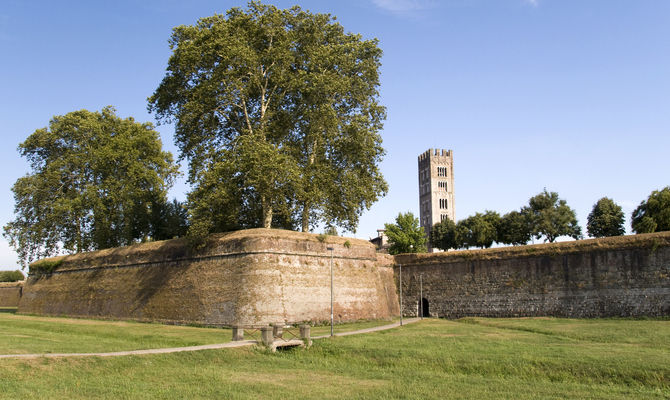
276 112
545 217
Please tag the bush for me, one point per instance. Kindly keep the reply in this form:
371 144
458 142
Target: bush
11 276
44 266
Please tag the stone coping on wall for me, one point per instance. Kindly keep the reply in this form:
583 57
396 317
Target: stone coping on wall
646 240
11 284
230 244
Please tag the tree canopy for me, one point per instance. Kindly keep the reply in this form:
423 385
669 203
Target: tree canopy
95 180
11 276
479 230
277 113
406 235
653 214
514 228
551 217
606 219
443 235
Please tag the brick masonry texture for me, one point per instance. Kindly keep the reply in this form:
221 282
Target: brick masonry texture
250 277
625 276
10 293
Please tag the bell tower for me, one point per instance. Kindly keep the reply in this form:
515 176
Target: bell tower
436 188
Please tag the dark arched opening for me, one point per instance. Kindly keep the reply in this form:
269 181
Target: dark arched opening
424 309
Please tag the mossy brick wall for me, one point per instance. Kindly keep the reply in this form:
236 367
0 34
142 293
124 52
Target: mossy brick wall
10 293
625 276
249 277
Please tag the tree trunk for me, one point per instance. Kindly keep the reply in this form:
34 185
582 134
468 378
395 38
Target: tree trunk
267 213
305 218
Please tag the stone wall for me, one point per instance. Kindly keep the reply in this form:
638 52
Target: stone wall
246 277
10 293
625 276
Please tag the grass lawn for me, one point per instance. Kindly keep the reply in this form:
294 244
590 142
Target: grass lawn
469 358
21 334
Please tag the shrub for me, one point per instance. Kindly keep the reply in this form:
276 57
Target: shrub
44 266
11 276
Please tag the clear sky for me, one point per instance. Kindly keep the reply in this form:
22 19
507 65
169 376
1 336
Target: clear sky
570 95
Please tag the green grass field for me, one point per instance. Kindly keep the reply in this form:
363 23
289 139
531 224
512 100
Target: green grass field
470 358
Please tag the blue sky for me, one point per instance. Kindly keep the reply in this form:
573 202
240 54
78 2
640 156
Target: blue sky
570 95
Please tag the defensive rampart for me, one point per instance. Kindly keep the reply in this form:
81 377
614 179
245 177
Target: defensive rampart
10 293
625 276
249 277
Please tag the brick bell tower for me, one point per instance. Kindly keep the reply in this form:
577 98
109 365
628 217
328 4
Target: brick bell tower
436 188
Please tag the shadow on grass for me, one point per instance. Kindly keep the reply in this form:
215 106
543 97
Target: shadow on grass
10 310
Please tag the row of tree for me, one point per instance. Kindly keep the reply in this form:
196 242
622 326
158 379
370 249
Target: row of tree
276 112
545 217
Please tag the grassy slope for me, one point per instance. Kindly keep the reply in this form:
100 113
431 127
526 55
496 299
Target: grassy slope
30 334
21 334
473 358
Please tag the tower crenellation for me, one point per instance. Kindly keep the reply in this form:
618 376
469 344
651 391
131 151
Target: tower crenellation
436 187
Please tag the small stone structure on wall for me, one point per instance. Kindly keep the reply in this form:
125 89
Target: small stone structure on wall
627 276
249 277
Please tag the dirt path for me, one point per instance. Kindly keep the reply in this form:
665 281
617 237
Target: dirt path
241 343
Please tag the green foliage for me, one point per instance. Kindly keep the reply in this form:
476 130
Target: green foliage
443 235
551 217
514 229
169 220
406 236
606 219
479 230
43 267
653 215
331 231
95 179
347 244
277 113
11 276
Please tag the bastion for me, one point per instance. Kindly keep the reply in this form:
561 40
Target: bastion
249 277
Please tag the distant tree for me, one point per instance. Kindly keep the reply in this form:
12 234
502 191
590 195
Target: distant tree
277 113
95 179
330 230
653 215
169 220
514 229
443 235
11 276
551 217
406 236
479 230
606 219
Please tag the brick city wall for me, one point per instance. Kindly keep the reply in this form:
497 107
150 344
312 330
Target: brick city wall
255 276
10 293
626 276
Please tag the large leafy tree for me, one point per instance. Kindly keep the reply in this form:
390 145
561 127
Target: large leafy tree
443 235
653 214
551 217
606 219
406 235
95 181
514 228
479 230
277 113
